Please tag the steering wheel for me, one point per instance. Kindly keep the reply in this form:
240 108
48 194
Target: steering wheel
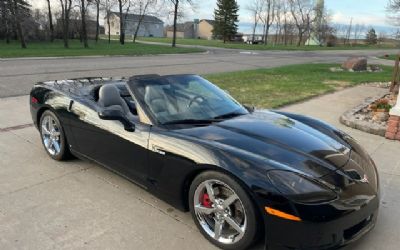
195 99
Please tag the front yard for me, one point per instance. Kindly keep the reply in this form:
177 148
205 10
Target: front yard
272 88
241 45
101 48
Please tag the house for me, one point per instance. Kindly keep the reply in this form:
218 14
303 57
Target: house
150 26
194 29
183 30
205 29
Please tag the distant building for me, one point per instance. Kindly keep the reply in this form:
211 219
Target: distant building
205 29
193 29
183 30
150 26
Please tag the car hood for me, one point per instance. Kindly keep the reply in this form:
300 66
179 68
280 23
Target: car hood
278 138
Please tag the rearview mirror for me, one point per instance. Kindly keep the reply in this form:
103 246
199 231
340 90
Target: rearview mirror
116 114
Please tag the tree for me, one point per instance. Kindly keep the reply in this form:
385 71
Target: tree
107 6
372 38
51 26
255 7
66 6
97 6
19 10
393 10
83 23
121 23
226 18
144 6
5 13
302 13
268 18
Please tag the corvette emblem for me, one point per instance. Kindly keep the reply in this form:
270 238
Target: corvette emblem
364 179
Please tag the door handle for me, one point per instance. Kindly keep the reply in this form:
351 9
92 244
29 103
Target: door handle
157 149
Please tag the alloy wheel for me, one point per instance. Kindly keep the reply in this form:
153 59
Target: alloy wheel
220 212
51 135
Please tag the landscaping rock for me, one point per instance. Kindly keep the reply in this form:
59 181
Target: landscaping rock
356 64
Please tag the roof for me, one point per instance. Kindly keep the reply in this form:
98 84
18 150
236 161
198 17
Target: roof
211 22
134 17
180 27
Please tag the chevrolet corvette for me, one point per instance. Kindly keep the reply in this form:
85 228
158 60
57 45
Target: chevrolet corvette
244 174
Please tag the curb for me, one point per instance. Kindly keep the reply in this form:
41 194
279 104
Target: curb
348 119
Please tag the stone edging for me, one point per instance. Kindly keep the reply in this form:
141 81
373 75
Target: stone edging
348 118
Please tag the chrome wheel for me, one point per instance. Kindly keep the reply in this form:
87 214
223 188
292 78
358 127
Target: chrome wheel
51 135
220 212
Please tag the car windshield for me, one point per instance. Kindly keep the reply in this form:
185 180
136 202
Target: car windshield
186 99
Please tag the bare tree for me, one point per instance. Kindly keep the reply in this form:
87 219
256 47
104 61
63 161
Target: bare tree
267 18
5 19
18 8
96 4
144 6
121 22
302 13
393 10
51 26
83 7
358 30
107 6
66 6
255 7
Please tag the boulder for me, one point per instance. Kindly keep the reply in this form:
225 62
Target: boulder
356 64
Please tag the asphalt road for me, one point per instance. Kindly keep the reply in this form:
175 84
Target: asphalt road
18 75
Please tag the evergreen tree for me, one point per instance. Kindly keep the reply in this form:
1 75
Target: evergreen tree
372 38
226 18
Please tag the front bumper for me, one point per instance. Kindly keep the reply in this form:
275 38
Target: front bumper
332 234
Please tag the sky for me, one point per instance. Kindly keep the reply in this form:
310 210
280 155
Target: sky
368 12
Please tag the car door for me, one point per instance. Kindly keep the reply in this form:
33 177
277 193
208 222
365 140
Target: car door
108 143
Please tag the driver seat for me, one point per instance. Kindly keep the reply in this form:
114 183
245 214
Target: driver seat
157 102
109 95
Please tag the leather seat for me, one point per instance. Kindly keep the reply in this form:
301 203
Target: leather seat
157 102
109 95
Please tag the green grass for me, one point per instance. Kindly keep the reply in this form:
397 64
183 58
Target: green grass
240 45
272 88
47 49
389 57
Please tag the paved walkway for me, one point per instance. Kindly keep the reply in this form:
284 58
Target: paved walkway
45 204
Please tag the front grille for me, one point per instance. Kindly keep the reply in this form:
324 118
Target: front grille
354 230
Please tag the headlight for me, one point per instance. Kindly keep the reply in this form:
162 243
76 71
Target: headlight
300 188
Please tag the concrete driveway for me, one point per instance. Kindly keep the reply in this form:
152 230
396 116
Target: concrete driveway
46 204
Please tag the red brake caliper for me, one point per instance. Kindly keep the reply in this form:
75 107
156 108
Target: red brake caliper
205 201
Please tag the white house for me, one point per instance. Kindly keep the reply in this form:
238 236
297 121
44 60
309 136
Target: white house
150 25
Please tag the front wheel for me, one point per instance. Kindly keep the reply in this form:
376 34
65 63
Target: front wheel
222 211
53 137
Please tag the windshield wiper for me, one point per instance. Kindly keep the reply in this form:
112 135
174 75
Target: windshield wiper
228 115
192 121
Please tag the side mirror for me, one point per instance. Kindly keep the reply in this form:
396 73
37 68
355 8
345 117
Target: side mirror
116 114
249 108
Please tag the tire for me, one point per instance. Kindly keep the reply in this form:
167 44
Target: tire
206 212
52 134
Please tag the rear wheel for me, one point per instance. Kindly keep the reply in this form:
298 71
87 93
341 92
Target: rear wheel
53 137
223 211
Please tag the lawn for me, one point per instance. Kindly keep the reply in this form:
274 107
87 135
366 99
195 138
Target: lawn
272 88
389 57
240 45
47 49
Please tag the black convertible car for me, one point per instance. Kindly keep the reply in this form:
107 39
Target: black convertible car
295 181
